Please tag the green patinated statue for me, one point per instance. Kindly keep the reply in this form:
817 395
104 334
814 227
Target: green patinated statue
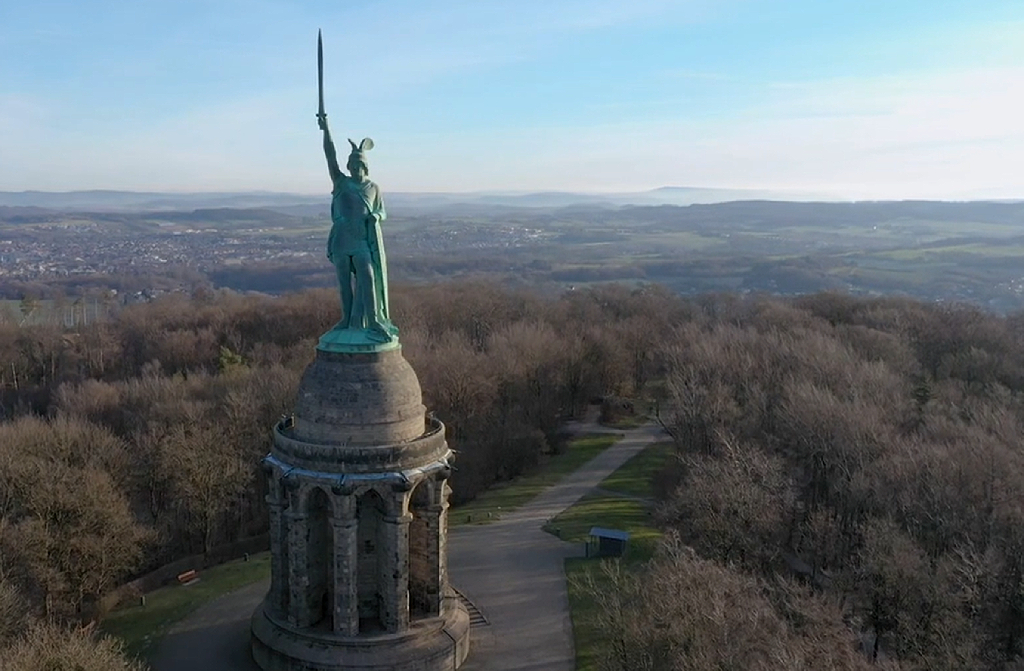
355 248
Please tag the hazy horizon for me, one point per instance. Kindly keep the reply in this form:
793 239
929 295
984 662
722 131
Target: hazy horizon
100 200
900 100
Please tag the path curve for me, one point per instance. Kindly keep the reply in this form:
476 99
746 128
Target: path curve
510 569
514 572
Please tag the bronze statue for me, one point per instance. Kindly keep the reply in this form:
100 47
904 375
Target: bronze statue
355 246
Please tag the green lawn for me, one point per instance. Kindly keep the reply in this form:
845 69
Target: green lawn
584 611
636 476
980 248
611 512
142 627
626 423
508 496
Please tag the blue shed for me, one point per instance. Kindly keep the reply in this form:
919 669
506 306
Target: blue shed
607 542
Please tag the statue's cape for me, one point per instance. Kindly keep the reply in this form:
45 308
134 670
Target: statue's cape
377 255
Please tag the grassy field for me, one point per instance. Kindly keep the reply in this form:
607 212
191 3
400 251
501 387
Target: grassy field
508 496
637 475
626 423
683 240
977 248
611 512
142 627
584 608
629 513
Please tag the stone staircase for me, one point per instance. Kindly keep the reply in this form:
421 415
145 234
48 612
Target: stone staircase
476 618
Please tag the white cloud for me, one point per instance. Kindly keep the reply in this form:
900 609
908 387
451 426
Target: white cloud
940 134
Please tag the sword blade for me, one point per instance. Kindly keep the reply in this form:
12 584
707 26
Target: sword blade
320 70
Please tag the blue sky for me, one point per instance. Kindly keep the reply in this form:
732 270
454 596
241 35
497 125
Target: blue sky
904 98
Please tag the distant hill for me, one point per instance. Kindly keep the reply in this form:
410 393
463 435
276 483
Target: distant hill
733 215
311 204
135 201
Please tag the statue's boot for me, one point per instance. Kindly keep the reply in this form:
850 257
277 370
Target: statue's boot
378 333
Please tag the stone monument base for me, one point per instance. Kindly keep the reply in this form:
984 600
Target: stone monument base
432 644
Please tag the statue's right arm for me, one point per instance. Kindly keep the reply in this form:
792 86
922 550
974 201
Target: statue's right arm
332 156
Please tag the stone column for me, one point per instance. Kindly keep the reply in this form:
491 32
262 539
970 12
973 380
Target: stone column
394 573
346 585
435 549
278 556
298 580
441 509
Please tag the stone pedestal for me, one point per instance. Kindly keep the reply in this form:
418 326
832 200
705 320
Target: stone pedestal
358 500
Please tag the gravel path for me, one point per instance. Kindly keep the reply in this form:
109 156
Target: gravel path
511 570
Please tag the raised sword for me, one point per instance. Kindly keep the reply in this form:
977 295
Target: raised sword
321 114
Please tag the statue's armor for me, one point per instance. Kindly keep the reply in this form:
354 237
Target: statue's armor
348 212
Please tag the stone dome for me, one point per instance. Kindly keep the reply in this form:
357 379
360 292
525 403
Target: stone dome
364 399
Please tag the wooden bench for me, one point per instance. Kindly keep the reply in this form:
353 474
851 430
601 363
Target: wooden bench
188 577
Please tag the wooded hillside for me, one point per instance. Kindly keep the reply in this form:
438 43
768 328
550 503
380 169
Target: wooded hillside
872 446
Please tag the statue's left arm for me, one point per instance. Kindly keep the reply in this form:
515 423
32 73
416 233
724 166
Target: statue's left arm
378 211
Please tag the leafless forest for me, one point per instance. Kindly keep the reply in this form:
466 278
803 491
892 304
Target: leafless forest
846 469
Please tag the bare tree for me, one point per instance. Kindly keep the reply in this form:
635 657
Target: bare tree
48 646
683 612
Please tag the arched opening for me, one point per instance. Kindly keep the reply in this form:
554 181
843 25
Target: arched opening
424 555
370 561
319 560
